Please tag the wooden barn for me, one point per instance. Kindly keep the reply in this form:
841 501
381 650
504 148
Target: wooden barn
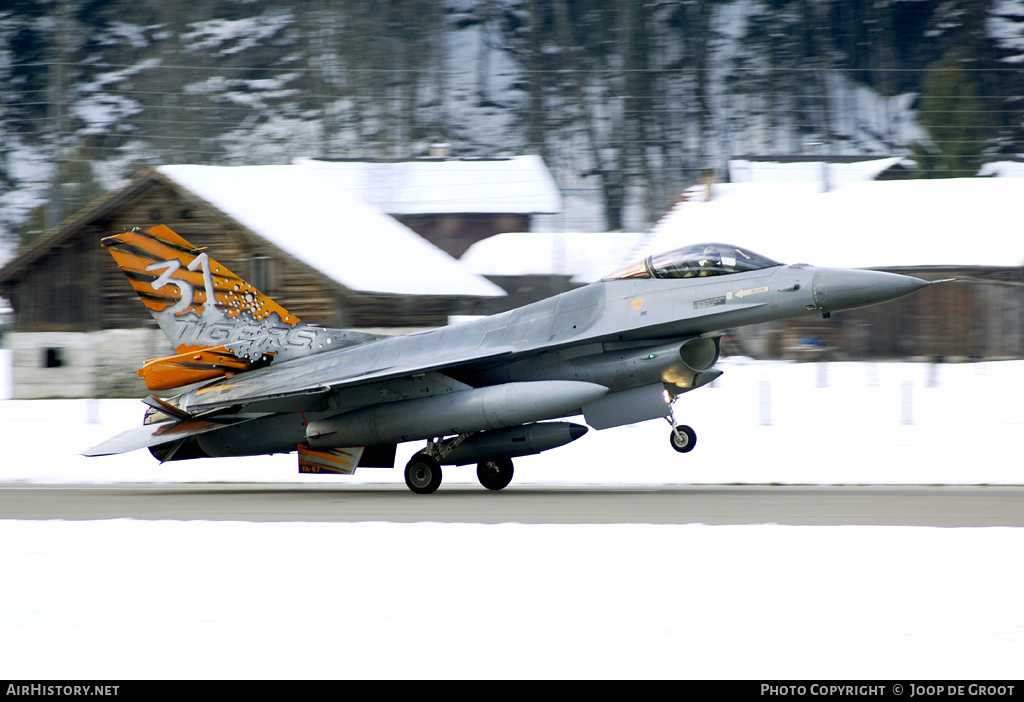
977 316
930 229
328 257
451 202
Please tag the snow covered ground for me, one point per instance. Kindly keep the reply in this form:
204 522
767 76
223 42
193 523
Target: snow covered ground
164 599
830 423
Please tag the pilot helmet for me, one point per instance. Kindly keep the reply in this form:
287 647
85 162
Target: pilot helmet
712 256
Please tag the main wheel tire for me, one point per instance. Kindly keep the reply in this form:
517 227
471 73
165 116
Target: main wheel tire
495 475
423 474
684 440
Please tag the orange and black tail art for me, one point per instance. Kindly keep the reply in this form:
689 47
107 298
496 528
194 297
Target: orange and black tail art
216 321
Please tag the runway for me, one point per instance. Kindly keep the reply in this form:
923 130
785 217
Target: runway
939 506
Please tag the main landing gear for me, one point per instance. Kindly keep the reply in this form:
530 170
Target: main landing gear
423 474
495 475
423 471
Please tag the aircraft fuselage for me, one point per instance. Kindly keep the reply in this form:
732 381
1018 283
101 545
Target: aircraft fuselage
622 335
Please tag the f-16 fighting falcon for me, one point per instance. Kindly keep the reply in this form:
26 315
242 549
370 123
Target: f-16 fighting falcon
617 351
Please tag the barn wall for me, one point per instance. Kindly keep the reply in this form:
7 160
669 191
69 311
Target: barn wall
965 320
295 286
304 292
82 364
58 291
455 233
77 286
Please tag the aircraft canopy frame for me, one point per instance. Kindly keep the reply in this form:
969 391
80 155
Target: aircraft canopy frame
696 261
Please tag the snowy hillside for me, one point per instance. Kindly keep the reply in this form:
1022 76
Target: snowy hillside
627 103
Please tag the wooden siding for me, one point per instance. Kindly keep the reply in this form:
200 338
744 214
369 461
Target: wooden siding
55 294
965 320
76 286
455 233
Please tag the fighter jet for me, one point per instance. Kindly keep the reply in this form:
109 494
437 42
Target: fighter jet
617 351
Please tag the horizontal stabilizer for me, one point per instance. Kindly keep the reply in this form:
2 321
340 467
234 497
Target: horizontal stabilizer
152 435
166 407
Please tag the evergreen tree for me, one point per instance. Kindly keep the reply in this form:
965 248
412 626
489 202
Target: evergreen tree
627 100
955 119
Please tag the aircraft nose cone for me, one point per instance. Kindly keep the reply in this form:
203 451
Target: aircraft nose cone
846 289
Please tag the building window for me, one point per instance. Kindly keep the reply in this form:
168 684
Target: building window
53 357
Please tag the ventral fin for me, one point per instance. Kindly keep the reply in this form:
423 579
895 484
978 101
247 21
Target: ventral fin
337 461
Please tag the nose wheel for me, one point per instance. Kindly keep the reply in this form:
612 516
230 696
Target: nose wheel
682 437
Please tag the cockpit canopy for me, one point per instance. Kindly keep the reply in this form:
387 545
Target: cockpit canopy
696 261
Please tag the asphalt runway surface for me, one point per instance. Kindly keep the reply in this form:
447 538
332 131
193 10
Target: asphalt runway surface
903 505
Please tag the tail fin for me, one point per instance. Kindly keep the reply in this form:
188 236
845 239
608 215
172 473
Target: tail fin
216 321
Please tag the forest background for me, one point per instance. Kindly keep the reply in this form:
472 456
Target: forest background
627 101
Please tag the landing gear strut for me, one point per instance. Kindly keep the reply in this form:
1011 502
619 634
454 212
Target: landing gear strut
423 471
682 437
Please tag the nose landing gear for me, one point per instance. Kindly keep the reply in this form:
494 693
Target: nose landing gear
682 437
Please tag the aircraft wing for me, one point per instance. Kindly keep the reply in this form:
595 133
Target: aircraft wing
152 435
298 385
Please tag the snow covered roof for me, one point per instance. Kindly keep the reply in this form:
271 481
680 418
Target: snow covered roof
304 212
1010 168
906 223
955 221
749 169
585 257
518 184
